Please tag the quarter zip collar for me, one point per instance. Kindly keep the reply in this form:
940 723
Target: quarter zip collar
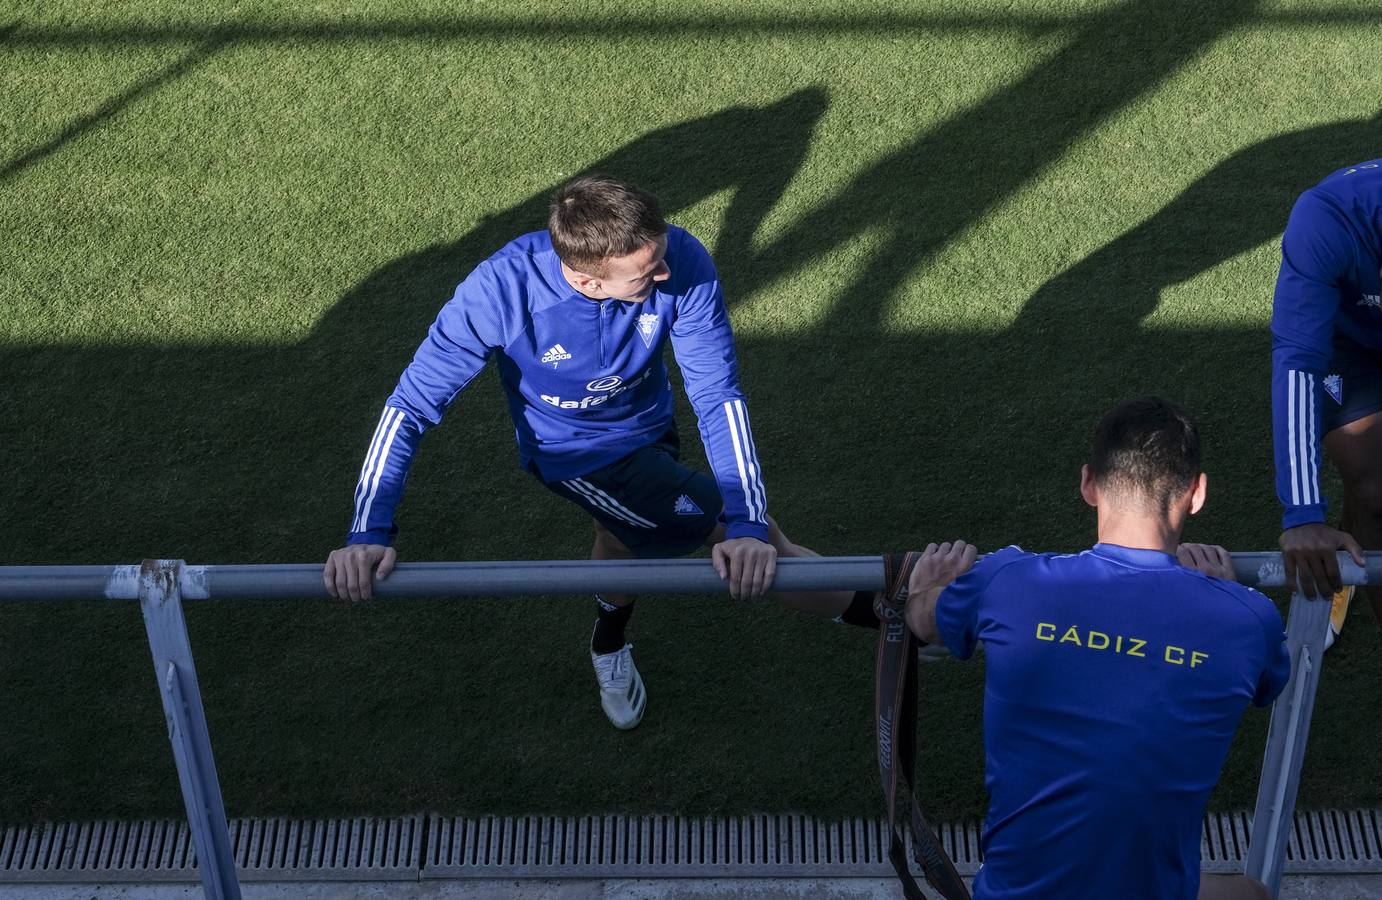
605 312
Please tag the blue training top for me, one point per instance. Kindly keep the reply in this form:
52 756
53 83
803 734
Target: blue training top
585 379
1329 283
1115 681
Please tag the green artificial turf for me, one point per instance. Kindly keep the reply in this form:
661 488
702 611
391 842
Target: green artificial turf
952 234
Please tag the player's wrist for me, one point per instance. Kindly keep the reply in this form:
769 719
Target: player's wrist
1295 516
381 536
746 529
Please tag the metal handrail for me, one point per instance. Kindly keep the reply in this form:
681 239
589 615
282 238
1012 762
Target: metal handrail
507 579
162 585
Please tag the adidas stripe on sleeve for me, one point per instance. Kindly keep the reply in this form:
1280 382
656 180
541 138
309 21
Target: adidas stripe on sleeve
453 353
746 461
1316 253
704 345
382 476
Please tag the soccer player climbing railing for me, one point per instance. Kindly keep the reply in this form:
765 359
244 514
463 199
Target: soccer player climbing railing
161 585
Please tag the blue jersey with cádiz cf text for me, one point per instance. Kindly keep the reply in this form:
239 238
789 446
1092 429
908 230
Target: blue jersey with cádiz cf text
1329 283
585 379
1115 679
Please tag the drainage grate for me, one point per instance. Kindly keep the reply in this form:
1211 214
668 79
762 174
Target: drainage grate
654 846
1224 842
584 847
1320 842
265 850
788 846
1333 841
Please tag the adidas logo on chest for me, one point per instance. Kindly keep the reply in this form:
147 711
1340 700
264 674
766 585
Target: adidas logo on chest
555 354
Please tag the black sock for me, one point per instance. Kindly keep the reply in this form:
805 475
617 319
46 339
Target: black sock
609 626
860 611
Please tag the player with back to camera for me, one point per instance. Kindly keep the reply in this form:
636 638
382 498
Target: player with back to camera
1327 380
576 317
1115 678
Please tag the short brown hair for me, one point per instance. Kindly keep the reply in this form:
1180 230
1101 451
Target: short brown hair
596 217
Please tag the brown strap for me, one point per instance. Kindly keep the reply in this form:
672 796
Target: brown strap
895 707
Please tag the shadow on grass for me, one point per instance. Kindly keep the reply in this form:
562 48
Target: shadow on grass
109 109
872 440
1223 214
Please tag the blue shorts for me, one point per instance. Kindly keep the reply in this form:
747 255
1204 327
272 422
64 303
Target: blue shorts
649 500
1352 383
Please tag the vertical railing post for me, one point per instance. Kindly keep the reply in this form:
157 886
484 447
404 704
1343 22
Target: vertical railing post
160 597
1306 626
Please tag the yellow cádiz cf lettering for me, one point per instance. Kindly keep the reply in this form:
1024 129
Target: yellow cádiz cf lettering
1125 645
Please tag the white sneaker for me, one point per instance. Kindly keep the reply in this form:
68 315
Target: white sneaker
621 688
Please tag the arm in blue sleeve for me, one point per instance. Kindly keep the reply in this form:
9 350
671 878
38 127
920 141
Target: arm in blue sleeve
958 607
382 476
467 330
704 346
1316 254
1277 671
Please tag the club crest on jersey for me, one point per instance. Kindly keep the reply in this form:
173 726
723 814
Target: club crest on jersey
647 328
1334 387
555 354
685 506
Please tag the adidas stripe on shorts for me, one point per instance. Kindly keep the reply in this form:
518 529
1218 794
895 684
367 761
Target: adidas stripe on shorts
658 507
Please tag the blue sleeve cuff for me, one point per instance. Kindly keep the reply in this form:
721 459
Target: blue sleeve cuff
746 529
1302 515
377 536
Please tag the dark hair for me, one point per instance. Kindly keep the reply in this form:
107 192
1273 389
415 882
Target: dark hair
596 217
1148 447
